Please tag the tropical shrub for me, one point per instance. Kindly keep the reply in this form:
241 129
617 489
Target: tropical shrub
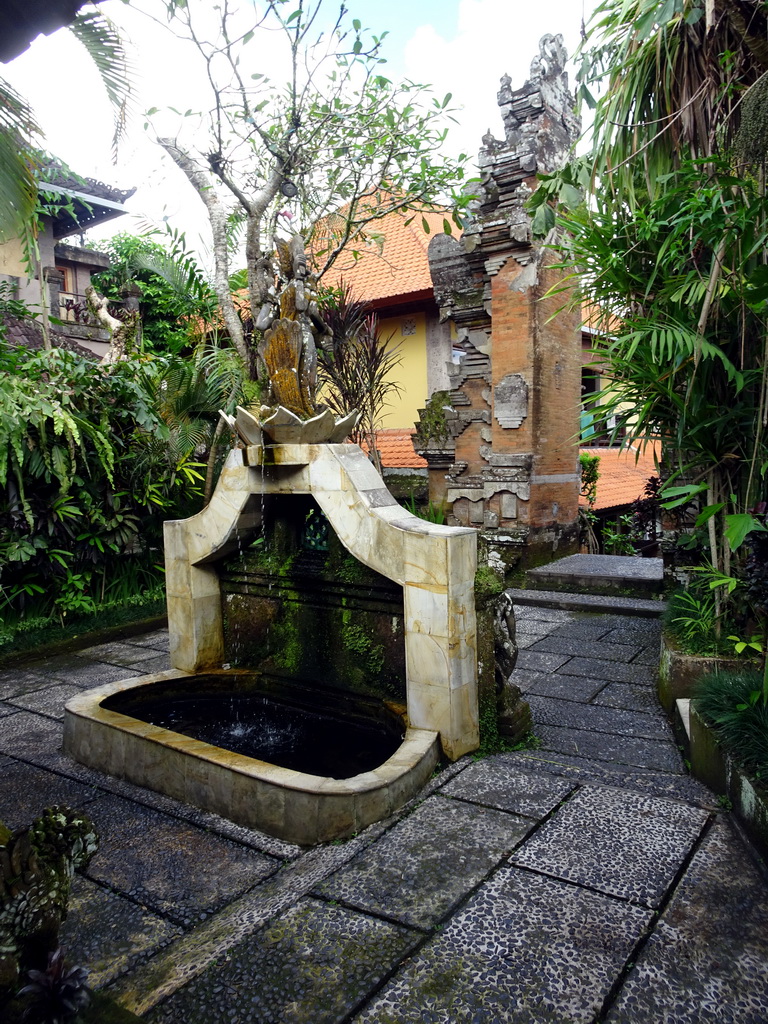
732 703
92 461
672 248
177 304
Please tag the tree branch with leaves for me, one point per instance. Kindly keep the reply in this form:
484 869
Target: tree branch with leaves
326 151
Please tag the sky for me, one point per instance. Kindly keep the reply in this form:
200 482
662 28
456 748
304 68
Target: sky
459 46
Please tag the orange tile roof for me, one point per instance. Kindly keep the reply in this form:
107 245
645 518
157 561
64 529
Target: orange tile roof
392 263
623 475
396 450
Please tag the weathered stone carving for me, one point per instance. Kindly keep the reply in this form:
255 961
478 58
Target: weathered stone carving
514 713
504 639
492 284
291 322
510 400
36 868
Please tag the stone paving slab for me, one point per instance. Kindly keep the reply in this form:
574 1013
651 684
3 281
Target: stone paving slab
76 669
161 663
576 647
526 640
572 715
25 791
494 783
157 639
645 631
618 567
542 613
597 668
29 736
428 862
118 653
706 960
557 600
648 656
525 950
558 684
602 746
530 632
619 843
210 941
313 965
582 769
108 934
583 628
167 864
533 661
49 701
631 696
14 682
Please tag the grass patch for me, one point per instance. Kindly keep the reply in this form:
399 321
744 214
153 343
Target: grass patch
28 635
732 704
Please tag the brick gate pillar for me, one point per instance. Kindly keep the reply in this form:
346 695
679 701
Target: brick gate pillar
513 422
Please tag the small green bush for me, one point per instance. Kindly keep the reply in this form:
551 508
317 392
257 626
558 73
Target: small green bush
690 620
732 704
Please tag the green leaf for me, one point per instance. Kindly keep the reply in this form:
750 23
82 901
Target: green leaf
674 497
706 513
570 196
738 526
543 220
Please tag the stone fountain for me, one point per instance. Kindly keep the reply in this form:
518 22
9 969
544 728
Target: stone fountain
290 453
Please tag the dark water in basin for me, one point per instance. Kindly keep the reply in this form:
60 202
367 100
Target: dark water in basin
304 731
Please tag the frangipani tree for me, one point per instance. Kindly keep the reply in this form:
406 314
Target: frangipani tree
332 135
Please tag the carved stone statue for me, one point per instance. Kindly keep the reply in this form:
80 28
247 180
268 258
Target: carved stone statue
504 639
291 324
36 868
514 713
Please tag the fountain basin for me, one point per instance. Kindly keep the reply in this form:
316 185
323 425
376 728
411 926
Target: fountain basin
296 806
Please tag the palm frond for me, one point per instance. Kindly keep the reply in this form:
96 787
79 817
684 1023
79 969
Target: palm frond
18 188
671 83
104 46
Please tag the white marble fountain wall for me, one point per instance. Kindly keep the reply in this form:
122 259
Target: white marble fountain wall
435 565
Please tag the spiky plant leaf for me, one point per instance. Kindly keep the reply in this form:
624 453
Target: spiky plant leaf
104 46
18 188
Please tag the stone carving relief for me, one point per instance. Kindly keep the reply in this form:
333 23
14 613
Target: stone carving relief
510 400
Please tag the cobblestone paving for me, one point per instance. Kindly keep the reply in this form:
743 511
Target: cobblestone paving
587 880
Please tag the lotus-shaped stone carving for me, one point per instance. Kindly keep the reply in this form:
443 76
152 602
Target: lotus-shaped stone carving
281 426
289 322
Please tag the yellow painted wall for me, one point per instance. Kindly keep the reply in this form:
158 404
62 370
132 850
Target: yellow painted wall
12 264
11 261
411 373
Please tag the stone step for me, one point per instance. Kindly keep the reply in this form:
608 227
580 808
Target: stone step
600 574
568 602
